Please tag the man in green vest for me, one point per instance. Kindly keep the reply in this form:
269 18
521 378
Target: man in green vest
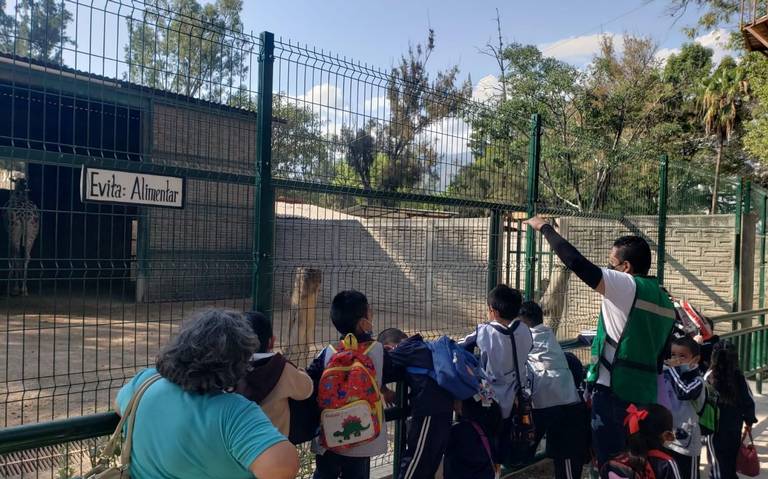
636 319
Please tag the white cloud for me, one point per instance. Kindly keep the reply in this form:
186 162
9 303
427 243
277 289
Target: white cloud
323 96
487 88
378 106
664 53
579 50
716 40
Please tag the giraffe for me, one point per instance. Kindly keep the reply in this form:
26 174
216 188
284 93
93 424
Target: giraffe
22 221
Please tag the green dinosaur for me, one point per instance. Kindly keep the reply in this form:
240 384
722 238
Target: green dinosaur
351 428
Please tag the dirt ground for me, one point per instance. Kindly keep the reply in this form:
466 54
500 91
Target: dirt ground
63 356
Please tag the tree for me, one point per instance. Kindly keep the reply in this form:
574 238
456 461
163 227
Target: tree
39 32
756 130
190 49
416 102
6 30
682 77
715 13
360 153
721 110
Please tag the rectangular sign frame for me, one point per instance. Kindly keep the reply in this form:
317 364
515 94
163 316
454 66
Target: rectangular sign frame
118 187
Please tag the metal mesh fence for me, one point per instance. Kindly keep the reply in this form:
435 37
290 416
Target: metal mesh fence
358 179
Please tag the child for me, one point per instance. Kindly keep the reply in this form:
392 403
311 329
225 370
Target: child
350 314
558 411
684 387
736 409
504 344
469 454
648 429
431 407
272 380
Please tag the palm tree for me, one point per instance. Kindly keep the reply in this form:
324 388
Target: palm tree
721 100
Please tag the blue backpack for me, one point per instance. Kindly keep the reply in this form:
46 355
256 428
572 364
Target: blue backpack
454 368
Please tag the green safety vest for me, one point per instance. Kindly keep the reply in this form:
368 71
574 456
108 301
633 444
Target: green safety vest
634 369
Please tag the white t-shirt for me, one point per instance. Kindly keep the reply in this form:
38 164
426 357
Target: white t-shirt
619 296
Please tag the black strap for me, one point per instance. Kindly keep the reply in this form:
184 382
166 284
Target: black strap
610 341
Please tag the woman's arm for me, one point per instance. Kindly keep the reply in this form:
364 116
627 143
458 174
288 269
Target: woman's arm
280 461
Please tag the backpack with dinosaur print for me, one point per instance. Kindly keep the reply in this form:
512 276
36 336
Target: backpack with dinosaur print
349 397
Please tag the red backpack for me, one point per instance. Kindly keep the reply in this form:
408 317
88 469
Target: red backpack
619 468
349 397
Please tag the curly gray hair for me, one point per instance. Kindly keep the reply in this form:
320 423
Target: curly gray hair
211 352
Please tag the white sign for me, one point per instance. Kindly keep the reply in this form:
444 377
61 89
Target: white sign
123 187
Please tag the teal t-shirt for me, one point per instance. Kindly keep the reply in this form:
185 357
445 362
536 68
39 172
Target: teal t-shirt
188 436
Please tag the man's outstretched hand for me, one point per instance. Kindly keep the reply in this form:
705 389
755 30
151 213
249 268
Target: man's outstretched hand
536 222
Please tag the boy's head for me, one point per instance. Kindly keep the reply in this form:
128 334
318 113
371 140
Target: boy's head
685 350
350 313
531 314
630 254
263 329
391 337
504 303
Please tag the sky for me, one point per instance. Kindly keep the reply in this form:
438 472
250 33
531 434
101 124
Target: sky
378 32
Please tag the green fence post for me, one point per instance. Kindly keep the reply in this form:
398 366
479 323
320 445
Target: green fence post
264 199
737 248
761 294
661 249
494 237
534 157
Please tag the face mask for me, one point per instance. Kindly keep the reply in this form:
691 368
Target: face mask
684 368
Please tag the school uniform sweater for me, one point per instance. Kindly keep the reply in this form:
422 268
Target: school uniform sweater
552 379
685 393
498 361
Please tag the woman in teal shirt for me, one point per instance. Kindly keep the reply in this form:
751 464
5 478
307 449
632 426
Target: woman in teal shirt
189 424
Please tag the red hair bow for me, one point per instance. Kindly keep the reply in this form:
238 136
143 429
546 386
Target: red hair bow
634 416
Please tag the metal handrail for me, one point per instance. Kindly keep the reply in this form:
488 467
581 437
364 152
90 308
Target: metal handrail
735 316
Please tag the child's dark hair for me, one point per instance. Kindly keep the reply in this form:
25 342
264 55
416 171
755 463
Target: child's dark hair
391 336
688 342
506 301
657 421
636 251
262 326
531 311
347 309
725 370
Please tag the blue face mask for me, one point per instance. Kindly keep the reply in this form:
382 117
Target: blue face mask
684 368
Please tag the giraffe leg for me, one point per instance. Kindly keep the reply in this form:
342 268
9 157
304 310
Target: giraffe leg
15 246
31 229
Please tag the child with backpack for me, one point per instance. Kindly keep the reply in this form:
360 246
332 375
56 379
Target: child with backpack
648 429
469 453
409 359
684 387
735 408
352 427
272 381
504 343
558 410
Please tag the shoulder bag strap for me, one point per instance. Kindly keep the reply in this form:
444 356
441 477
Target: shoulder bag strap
128 415
484 440
514 359
125 456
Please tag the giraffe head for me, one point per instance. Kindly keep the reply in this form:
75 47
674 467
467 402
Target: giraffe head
20 186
